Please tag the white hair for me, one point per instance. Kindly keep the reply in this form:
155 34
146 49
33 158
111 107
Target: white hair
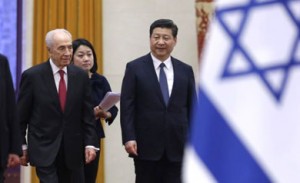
50 35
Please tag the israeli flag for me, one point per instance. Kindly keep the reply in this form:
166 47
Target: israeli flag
246 125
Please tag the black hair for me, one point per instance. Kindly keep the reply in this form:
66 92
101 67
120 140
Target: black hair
164 23
79 42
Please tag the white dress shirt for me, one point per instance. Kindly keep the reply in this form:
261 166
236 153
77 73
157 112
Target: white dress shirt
56 75
168 70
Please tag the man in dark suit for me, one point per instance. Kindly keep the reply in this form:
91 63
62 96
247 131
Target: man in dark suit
54 103
155 120
10 135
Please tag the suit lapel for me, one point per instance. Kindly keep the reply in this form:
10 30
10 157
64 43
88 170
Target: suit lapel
70 88
176 84
48 80
150 71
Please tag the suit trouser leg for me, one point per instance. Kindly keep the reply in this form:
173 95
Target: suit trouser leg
47 174
65 174
58 172
172 171
52 174
91 169
146 171
2 174
161 171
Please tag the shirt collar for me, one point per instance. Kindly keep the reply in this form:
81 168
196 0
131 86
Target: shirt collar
55 69
157 62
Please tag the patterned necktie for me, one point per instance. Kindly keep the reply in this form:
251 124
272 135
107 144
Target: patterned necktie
62 90
163 83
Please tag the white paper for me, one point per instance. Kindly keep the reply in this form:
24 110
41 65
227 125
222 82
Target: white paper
109 100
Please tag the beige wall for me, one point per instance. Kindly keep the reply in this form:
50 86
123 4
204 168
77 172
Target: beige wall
126 37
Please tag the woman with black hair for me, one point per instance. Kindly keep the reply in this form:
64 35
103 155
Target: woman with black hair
84 56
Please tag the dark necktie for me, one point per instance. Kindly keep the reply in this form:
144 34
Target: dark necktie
163 83
62 90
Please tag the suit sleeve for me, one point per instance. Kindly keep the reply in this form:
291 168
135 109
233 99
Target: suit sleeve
24 104
90 135
114 110
128 105
14 127
192 92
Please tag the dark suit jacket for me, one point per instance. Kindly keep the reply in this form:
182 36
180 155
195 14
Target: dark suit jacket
10 136
48 126
157 128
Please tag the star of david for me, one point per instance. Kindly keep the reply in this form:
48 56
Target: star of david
235 34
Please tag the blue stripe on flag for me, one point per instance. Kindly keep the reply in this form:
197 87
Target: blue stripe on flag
220 148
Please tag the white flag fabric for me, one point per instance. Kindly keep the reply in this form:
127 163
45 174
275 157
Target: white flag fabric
246 124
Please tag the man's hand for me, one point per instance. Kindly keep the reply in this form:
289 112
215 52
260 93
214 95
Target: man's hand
90 155
13 160
131 147
24 158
